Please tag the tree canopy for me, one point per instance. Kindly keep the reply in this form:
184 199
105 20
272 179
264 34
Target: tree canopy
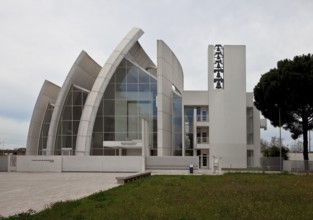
288 90
272 149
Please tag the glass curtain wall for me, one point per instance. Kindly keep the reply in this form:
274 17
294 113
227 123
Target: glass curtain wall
70 118
129 97
45 129
177 123
189 120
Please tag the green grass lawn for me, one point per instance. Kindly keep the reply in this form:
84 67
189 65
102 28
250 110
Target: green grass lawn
232 196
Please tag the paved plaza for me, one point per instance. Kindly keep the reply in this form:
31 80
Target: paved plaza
20 192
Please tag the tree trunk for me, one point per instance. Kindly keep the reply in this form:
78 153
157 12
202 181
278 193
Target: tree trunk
305 144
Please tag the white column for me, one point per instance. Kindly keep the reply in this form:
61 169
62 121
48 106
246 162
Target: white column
145 151
195 130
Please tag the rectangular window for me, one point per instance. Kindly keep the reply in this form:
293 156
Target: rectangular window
204 115
250 134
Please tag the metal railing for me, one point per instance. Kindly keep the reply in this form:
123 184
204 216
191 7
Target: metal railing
202 140
271 164
203 118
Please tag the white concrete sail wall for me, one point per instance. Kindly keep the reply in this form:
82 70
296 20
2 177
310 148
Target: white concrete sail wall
83 73
48 94
85 129
227 109
169 71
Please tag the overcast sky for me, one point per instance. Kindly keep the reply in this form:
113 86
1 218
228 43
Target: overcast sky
41 39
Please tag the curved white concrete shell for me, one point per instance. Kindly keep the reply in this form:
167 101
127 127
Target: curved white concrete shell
170 74
127 47
83 74
47 95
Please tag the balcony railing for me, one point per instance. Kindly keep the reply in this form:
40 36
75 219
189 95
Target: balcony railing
203 118
202 140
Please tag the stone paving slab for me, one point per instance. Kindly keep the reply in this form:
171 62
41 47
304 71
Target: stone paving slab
20 192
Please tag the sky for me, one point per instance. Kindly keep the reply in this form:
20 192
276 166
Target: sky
41 39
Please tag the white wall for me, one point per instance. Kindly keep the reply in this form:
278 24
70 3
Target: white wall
171 163
39 164
298 156
48 94
4 163
133 152
102 164
227 109
169 72
195 98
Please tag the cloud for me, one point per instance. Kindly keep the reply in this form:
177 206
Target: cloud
41 39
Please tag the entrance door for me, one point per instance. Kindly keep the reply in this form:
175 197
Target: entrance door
204 161
203 158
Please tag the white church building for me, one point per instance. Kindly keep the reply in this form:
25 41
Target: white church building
134 111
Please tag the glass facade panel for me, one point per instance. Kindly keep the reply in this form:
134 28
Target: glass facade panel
143 78
132 75
107 107
77 98
45 129
120 75
67 113
66 127
97 139
204 116
110 91
108 124
177 124
132 108
77 112
143 92
153 89
69 120
127 99
189 131
120 91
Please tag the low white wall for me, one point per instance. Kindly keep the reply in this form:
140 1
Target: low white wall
296 165
298 156
39 164
133 152
102 164
4 163
171 163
